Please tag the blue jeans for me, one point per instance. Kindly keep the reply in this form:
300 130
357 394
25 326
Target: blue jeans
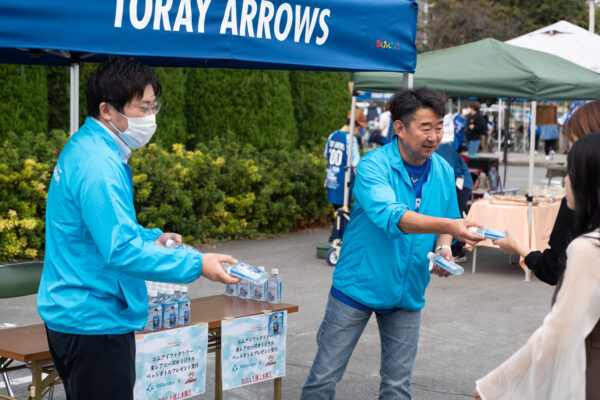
473 146
339 332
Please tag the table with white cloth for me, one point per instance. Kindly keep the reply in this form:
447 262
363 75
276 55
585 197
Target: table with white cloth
514 219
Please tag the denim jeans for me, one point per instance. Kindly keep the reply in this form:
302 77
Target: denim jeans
339 332
473 146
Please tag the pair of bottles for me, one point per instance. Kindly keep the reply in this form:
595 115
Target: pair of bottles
255 283
169 306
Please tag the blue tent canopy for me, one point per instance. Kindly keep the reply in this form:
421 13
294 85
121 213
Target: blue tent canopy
348 35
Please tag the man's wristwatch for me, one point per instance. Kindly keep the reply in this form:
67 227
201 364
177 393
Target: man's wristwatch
444 246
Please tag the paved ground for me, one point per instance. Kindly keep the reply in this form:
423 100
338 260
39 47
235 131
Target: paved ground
470 324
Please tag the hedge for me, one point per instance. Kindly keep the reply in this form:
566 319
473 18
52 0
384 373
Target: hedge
24 94
321 103
222 190
253 106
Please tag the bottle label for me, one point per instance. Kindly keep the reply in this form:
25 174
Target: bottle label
184 312
245 271
259 292
244 289
170 315
493 234
154 318
449 266
231 290
274 291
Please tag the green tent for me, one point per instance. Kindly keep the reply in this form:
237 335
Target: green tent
490 68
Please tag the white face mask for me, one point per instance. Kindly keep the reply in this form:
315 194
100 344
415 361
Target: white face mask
139 130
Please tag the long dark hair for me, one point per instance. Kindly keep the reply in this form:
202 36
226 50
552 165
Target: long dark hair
584 173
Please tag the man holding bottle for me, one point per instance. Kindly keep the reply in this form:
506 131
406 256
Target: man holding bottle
405 206
92 294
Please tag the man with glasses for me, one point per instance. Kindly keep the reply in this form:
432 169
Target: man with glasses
404 207
92 294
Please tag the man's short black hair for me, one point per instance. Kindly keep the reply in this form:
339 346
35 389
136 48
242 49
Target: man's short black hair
117 81
406 102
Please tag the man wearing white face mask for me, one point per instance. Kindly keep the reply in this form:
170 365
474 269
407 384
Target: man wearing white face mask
92 294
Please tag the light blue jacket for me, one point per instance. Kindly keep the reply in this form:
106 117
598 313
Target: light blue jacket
97 255
380 266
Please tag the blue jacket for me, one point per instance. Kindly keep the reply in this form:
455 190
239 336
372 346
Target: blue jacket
97 255
380 266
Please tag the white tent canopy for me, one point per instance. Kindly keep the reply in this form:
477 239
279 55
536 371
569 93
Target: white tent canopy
565 40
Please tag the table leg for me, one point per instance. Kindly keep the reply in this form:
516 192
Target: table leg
218 376
4 363
474 259
35 389
277 386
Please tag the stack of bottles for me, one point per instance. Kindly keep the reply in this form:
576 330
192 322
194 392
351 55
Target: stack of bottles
168 306
254 283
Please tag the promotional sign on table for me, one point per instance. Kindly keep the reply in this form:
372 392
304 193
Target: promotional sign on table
171 365
253 349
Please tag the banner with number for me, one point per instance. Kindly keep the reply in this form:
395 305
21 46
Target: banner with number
171 365
253 349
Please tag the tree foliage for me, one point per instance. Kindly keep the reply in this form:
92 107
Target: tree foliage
454 22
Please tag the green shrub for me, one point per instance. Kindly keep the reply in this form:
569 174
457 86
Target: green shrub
253 106
321 103
227 190
24 94
58 81
172 123
25 172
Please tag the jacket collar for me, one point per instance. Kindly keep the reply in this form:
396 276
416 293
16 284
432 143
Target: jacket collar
113 140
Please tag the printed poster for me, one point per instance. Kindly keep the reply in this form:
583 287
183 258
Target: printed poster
171 365
253 349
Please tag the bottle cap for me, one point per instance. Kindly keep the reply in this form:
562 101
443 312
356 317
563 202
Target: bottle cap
170 244
275 271
431 256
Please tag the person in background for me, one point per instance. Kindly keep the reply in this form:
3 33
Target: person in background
464 187
92 294
561 360
549 265
404 207
372 112
336 153
460 122
476 128
385 119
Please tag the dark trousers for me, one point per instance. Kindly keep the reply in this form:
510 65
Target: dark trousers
94 367
549 145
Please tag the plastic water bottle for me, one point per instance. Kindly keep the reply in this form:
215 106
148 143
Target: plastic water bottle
171 244
489 233
245 291
153 322
170 308
274 287
246 272
446 265
259 290
232 290
184 306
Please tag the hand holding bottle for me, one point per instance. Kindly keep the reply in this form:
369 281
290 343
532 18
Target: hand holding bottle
212 269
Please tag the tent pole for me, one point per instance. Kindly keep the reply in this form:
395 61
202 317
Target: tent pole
499 126
407 80
532 127
348 173
505 138
74 123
